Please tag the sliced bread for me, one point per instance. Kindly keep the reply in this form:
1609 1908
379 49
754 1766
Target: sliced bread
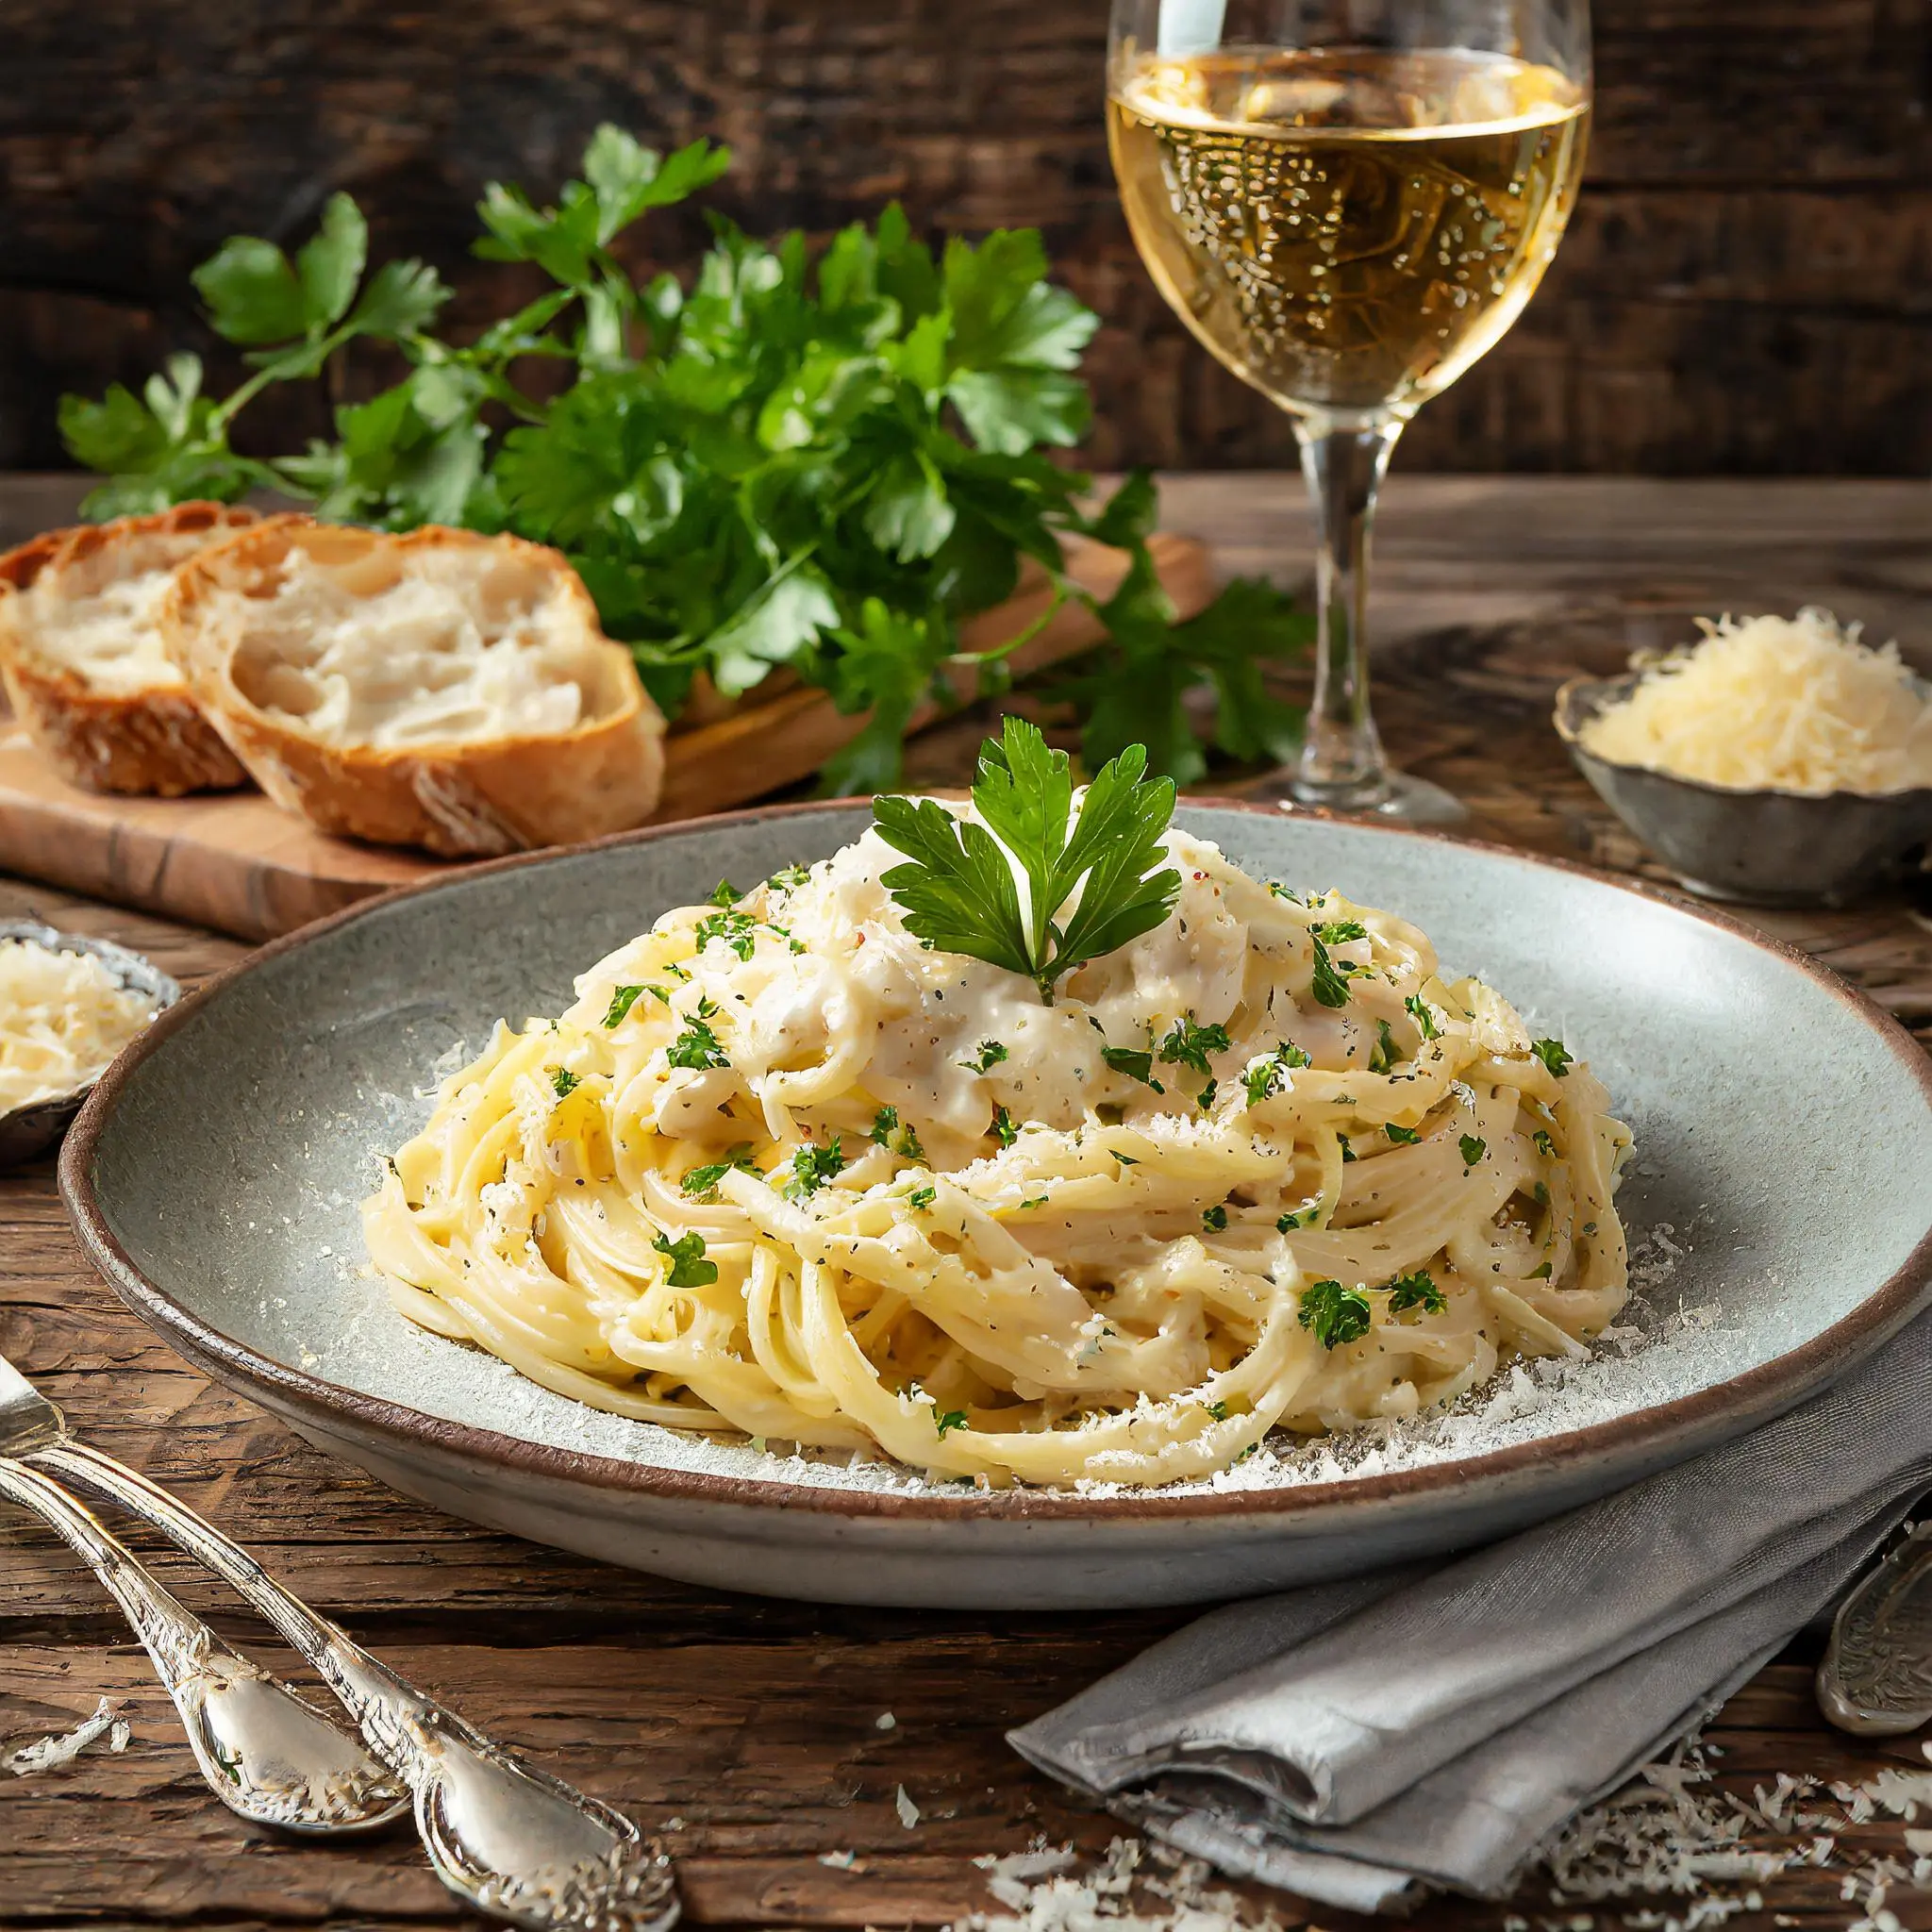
83 660
440 689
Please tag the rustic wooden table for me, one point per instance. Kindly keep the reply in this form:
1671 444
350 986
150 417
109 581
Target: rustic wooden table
746 1730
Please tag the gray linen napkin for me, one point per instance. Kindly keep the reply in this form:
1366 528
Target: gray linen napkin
1353 1741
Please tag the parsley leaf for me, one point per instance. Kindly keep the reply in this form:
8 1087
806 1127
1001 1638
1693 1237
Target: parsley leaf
1217 1409
688 1268
565 1081
1137 1064
990 1055
1265 1077
696 1048
1403 1137
961 891
812 1168
1424 1015
1189 1045
888 1133
734 929
1545 1145
623 999
1417 1290
1303 1217
701 1183
1204 1099
1471 1149
1214 1219
725 895
1004 1131
1338 932
952 1419
921 1198
789 878
1348 1153
1553 1054
1334 1315
1329 987
1382 1054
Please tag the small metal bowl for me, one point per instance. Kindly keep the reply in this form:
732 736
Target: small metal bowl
28 1131
1763 848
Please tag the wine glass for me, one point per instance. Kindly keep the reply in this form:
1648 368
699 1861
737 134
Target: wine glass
1348 200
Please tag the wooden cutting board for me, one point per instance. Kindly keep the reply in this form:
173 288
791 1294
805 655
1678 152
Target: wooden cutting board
239 864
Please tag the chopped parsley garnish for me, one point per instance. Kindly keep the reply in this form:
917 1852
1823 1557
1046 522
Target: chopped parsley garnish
811 1169
1424 1015
701 1183
1189 1045
738 930
960 891
1135 1065
565 1081
1124 1159
921 1198
1204 1099
623 999
1542 1194
888 1133
1334 1315
1589 1227
788 878
952 1419
1541 1273
1471 1149
688 1268
1545 1145
992 1052
725 894
1329 987
1347 1151
1338 932
1553 1054
696 1048
1305 1218
1417 1290
1265 1077
1281 892
1382 1054
1004 1131
1403 1137
1214 1220
1038 1201
1218 1410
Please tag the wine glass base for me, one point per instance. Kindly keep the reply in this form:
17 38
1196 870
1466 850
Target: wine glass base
1402 800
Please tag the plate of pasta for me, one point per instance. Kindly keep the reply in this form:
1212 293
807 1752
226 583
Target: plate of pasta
1053 1197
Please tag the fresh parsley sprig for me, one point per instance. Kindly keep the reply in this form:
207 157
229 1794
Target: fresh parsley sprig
962 888
825 466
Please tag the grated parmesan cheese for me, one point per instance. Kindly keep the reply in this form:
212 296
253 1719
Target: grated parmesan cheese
1776 704
64 1016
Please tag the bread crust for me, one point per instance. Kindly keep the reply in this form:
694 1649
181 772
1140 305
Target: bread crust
460 799
153 741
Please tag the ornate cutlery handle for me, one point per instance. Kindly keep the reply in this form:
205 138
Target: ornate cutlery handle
1876 1677
515 1843
266 1755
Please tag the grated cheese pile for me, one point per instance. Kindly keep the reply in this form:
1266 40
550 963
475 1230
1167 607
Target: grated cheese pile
62 1018
1776 704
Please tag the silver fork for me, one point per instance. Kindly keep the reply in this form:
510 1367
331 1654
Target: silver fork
513 1841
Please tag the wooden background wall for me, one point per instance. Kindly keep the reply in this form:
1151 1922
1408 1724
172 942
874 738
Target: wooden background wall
1747 286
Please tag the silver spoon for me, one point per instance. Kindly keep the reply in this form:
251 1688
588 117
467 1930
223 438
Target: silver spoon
514 1842
1877 1677
267 1755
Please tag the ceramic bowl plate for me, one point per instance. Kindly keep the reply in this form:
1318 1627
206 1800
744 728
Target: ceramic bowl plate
1765 848
1779 1198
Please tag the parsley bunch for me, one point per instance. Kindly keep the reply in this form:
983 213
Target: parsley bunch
825 466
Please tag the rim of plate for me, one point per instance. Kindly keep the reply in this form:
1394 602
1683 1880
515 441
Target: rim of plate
1792 1373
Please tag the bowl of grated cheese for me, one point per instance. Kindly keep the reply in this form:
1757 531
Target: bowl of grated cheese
68 1005
1779 762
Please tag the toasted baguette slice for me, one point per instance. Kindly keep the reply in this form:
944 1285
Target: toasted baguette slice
84 664
441 689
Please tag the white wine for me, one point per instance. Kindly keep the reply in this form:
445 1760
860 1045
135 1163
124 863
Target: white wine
1347 229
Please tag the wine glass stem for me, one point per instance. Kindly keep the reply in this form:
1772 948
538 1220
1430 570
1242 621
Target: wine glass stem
1341 762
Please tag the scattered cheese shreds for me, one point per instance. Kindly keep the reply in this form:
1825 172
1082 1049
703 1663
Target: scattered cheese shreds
908 1810
885 1722
50 1754
1044 1891
1776 704
64 1016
